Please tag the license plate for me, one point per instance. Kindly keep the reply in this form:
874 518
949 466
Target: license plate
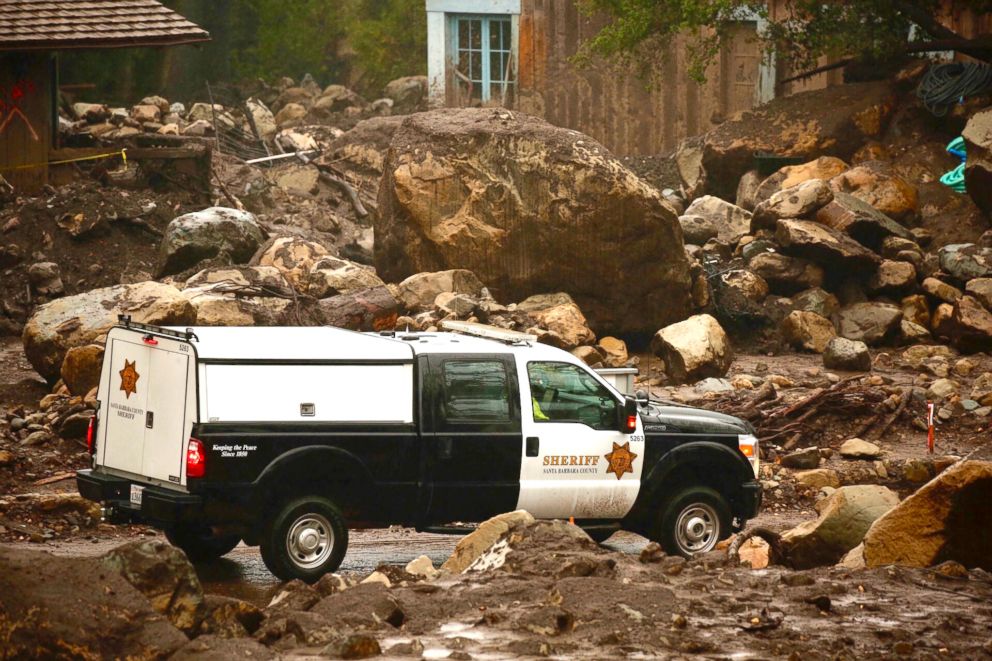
136 492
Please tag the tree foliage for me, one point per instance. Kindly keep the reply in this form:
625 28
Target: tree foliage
362 43
640 32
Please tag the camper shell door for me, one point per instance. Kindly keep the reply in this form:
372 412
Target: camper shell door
148 405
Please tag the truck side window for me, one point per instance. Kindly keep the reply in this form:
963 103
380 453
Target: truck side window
562 392
475 391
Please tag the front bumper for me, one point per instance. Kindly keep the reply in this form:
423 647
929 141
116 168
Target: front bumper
159 506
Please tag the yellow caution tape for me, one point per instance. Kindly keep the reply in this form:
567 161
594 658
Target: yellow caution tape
122 153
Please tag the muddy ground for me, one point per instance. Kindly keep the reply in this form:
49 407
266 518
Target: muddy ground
627 605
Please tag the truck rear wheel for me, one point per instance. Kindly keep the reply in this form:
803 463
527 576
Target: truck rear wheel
693 521
306 539
199 543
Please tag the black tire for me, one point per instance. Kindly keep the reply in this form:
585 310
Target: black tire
200 544
306 539
692 522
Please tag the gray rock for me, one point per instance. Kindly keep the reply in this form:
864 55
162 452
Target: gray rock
859 220
965 261
803 459
201 235
785 274
46 279
824 245
869 322
798 201
698 229
849 355
816 300
856 448
730 221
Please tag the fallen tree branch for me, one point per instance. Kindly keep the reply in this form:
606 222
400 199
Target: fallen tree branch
223 189
347 188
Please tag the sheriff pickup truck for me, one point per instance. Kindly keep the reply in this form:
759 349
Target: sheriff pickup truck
287 437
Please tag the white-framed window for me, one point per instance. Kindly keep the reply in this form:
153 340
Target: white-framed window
481 50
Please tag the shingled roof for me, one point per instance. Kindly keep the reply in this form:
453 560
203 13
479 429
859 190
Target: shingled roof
60 24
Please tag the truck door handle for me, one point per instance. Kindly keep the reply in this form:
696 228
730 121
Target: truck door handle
444 447
533 446
149 419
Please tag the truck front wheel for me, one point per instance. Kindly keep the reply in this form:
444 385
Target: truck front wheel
306 539
199 543
693 521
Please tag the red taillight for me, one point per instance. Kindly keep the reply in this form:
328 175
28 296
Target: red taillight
91 436
148 339
196 461
631 423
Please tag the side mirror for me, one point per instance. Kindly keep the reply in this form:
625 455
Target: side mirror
627 416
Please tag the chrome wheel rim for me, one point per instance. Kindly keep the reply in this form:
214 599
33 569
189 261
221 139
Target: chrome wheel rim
309 541
697 529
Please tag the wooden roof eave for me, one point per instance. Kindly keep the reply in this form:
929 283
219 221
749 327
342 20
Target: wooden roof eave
92 44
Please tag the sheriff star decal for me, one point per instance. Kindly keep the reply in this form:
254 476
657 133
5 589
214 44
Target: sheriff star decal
621 460
129 378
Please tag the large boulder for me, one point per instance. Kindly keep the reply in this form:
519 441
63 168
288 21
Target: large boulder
471 547
264 120
824 168
293 256
869 322
730 221
786 274
693 349
799 201
816 300
165 576
530 208
372 309
566 321
892 277
409 94
82 319
860 220
201 235
977 136
827 246
418 292
845 517
835 121
697 230
849 355
970 326
808 331
216 308
330 276
946 519
56 607
362 153
81 368
242 296
965 261
889 193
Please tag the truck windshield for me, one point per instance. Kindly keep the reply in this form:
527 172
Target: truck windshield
562 392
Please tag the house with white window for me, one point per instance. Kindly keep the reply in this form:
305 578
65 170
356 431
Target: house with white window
517 54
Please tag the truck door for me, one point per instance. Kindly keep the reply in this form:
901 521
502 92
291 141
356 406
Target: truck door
575 461
472 409
147 400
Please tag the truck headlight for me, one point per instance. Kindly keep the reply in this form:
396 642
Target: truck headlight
748 445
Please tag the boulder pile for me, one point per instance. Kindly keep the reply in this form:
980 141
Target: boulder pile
838 258
270 109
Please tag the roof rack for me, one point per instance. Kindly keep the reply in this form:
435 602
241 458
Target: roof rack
125 321
488 332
